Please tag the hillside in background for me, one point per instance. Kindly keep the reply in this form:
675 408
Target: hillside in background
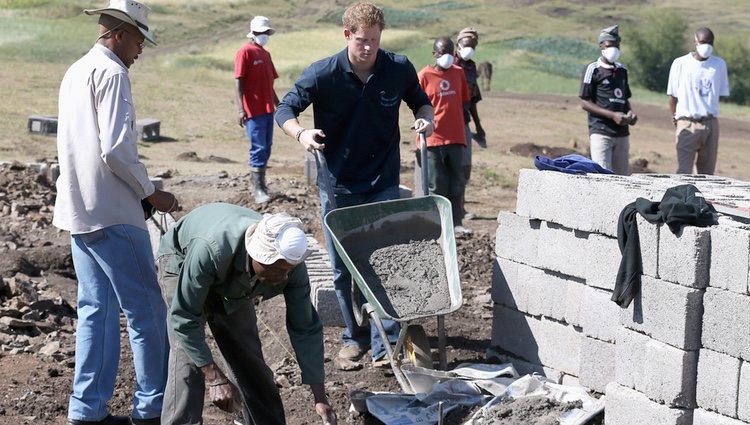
186 81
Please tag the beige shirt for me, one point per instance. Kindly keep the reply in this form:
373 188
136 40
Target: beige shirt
101 178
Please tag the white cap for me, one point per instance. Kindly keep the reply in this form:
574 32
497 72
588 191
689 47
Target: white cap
260 24
130 11
276 237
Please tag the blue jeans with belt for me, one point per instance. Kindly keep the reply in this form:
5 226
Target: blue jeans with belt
115 270
342 279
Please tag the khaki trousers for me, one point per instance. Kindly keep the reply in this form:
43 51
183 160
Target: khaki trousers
697 139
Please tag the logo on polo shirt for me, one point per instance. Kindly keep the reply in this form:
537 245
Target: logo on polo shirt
618 92
257 61
388 102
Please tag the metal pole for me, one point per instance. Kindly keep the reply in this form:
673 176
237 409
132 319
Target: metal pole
423 160
441 343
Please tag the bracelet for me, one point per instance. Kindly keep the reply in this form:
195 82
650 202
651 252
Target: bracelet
218 384
299 133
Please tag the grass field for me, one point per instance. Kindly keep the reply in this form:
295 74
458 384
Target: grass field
186 81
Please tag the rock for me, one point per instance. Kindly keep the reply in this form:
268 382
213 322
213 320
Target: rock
50 349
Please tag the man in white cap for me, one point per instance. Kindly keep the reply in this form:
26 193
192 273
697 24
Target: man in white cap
213 263
99 192
256 100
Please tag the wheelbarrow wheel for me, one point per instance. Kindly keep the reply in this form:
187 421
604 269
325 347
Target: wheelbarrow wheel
417 347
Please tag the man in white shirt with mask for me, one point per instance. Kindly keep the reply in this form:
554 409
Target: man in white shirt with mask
696 81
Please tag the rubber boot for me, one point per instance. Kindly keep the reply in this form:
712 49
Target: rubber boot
259 183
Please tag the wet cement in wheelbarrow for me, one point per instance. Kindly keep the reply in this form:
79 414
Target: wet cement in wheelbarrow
408 279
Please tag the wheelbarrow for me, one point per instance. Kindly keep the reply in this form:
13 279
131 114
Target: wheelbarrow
358 231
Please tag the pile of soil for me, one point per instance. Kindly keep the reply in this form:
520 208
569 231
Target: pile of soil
38 300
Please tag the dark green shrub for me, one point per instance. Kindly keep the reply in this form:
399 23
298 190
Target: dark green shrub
654 45
737 55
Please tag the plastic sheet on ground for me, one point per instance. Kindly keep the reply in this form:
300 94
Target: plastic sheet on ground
473 385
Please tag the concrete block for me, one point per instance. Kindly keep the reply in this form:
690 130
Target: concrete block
704 417
743 395
624 406
537 292
547 292
649 235
726 319
630 358
597 367
566 199
600 315
505 290
684 258
516 238
324 300
561 249
148 129
730 258
718 382
669 374
603 261
574 303
667 312
539 341
42 124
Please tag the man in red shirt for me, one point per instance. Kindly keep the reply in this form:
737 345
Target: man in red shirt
256 99
446 87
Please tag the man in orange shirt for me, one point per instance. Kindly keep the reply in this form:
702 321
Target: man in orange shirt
256 99
446 87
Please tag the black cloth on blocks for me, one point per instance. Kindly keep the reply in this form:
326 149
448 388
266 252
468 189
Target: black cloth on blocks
681 205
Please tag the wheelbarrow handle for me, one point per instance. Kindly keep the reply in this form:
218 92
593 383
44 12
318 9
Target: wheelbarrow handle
423 161
324 177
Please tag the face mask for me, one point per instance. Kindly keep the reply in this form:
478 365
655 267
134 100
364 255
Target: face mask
704 50
611 54
445 61
261 39
466 53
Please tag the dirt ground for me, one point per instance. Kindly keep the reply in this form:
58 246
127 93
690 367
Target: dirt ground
38 292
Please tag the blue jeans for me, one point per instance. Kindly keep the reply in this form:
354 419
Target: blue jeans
342 279
115 269
260 133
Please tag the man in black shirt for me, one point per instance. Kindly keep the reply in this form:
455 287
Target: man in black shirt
605 95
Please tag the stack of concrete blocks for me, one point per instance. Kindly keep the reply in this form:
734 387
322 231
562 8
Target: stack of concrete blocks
322 293
557 261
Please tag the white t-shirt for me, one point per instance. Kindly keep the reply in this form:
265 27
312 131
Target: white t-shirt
697 85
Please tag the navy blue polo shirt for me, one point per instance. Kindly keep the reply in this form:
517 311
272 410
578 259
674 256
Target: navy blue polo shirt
360 120
607 87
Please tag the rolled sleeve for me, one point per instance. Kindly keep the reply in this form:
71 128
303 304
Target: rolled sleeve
116 120
304 327
298 99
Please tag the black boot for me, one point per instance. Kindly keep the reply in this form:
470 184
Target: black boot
259 182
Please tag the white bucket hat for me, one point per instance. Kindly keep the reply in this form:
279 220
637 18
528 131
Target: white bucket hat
276 237
129 11
260 24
